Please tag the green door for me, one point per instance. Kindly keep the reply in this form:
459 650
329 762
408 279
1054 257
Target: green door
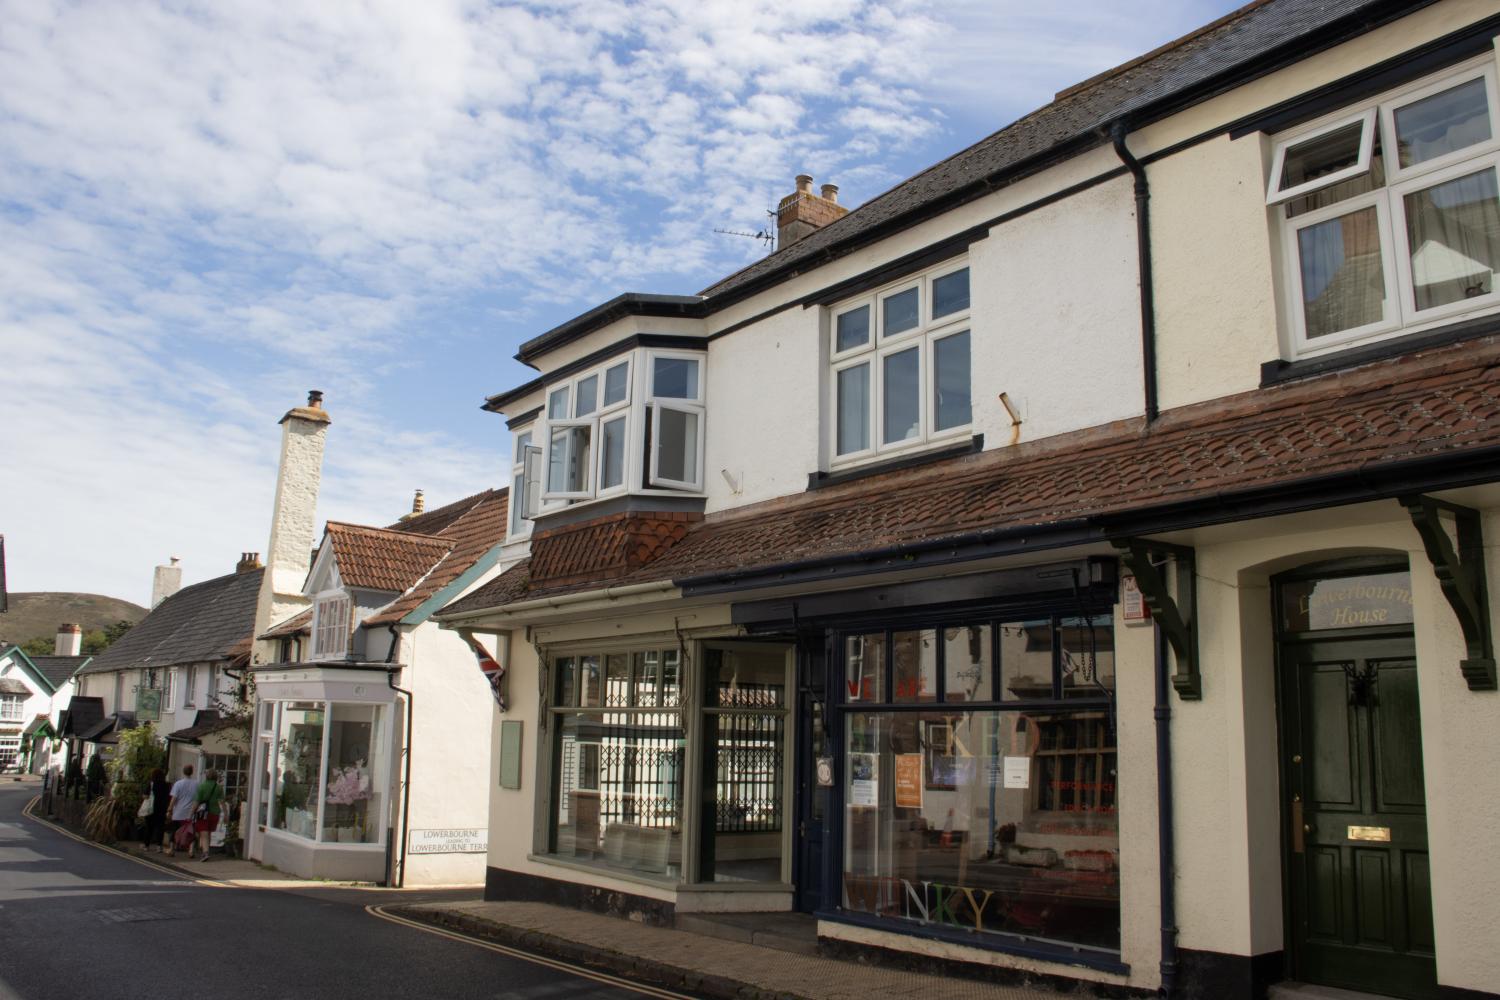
1360 890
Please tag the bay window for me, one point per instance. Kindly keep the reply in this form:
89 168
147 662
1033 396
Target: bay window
326 762
900 373
634 423
1390 214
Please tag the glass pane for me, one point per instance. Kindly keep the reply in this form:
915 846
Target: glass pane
353 807
588 397
903 408
745 678
612 453
1088 656
950 293
914 659
1343 280
1026 659
997 823
745 752
1346 602
299 747
568 460
674 378
522 440
517 490
901 312
968 670
591 692
1317 157
557 404
618 792
567 682
617 680
1453 233
864 667
950 362
671 677
854 409
1442 123
616 383
677 446
853 329
647 678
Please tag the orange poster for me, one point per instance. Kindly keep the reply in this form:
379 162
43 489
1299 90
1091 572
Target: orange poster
908 781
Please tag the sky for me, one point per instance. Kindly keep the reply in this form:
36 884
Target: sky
208 209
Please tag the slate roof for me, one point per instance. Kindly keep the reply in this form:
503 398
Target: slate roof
379 558
207 722
203 623
59 669
1363 422
81 715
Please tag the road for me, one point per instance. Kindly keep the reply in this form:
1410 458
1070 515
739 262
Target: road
79 922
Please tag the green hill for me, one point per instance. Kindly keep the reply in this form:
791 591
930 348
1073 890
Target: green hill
40 612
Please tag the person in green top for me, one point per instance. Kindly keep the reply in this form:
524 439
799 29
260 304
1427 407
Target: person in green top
206 809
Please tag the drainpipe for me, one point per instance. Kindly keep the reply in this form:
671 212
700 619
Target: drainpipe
1165 842
390 679
1143 255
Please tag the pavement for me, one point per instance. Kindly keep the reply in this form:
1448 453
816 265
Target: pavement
708 966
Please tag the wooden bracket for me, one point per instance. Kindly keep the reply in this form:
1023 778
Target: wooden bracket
1176 614
1460 572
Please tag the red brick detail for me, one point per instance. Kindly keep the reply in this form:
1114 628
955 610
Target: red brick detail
605 548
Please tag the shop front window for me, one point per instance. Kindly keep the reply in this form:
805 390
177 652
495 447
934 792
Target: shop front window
619 751
354 791
299 744
995 819
327 765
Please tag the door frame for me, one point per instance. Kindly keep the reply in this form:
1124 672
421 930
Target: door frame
1282 640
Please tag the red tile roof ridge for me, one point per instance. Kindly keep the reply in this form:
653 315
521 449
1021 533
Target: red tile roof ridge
444 517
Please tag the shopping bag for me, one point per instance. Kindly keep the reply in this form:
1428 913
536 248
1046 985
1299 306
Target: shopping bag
146 806
183 838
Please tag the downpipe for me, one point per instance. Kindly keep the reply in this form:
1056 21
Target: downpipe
390 679
1143 255
1164 819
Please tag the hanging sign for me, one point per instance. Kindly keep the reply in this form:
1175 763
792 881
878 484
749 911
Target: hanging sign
1133 603
909 781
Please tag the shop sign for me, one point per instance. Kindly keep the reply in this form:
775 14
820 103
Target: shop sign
864 786
1133 603
148 704
1017 772
924 902
450 841
908 781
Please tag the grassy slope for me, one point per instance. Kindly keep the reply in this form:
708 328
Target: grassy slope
40 612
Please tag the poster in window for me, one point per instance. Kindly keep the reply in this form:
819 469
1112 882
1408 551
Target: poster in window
909 781
864 787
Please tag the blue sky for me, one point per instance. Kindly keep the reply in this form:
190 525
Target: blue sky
206 210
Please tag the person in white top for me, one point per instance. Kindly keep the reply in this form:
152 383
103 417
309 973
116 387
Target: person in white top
180 806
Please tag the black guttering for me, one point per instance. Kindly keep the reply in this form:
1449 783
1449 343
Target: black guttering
1085 137
1385 481
1143 260
498 402
1165 837
628 304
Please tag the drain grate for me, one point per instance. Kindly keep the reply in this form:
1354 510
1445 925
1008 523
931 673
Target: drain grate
139 914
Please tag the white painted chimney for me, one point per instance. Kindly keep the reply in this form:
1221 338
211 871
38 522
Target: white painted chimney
293 518
166 581
69 640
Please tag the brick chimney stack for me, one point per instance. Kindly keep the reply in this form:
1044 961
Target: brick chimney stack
803 212
249 561
293 517
418 505
166 581
69 640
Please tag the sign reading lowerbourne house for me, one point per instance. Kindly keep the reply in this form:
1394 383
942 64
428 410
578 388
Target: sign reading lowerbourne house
475 841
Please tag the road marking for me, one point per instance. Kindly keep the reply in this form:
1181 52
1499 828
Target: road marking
577 970
177 875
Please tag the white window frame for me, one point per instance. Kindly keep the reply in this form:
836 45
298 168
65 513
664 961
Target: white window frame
190 687
601 414
338 601
1400 313
553 427
1275 194
879 347
169 688
517 517
12 708
680 404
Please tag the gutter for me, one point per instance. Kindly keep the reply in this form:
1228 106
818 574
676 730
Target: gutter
1143 257
1166 844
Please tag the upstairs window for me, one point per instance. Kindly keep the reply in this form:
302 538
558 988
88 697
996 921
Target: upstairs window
11 707
525 490
1390 214
899 366
331 627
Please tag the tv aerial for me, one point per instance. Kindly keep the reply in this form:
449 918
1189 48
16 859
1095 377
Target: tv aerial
766 236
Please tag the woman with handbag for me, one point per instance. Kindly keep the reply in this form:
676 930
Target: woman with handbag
153 812
206 810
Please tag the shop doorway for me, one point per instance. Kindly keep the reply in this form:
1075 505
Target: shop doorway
1358 884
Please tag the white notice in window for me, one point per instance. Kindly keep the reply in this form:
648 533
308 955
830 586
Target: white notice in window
1018 772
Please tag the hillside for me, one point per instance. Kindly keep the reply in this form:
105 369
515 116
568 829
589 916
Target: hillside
40 612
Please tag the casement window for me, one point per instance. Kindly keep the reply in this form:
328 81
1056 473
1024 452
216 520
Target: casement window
10 707
633 424
169 687
1389 214
190 687
899 366
525 490
331 627
10 752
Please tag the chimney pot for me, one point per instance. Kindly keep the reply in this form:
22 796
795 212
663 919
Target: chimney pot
831 192
802 212
315 399
249 561
804 183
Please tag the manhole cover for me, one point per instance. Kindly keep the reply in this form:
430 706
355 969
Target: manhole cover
138 914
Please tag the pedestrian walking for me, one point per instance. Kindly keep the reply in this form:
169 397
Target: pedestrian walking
183 798
206 812
160 795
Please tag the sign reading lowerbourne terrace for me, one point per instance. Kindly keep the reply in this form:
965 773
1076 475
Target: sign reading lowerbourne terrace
474 841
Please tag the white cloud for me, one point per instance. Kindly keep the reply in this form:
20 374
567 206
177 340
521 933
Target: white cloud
206 209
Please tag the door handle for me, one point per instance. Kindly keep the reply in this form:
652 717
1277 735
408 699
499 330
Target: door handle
1299 828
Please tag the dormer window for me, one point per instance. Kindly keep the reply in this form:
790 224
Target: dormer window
331 627
633 424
